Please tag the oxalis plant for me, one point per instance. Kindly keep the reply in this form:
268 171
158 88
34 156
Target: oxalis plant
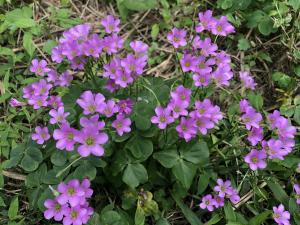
119 147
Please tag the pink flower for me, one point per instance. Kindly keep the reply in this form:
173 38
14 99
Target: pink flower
39 67
222 27
55 210
223 188
58 116
297 190
122 124
186 129
251 118
163 117
65 137
111 24
91 103
256 159
208 203
247 80
177 37
281 216
41 135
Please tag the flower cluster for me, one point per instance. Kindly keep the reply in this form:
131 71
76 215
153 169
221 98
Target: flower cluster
91 137
223 190
206 63
274 148
281 216
70 205
203 117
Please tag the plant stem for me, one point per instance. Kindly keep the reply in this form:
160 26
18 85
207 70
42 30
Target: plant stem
63 170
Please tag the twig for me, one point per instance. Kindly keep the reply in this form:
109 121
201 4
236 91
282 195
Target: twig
13 175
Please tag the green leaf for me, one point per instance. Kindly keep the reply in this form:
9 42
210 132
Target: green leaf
294 3
203 182
190 216
35 179
266 25
142 112
32 158
13 208
28 44
15 156
225 4
162 221
59 158
281 79
260 218
229 213
140 5
256 100
85 170
243 44
154 31
1 181
297 115
48 46
214 219
95 219
110 217
20 18
134 175
139 218
195 152
140 147
167 158
2 203
278 192
184 172
293 206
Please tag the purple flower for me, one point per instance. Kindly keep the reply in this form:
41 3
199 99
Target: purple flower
207 47
222 27
15 103
285 130
222 75
274 149
52 77
85 186
77 215
247 80
281 216
41 87
140 49
41 135
188 63
111 24
244 105
111 44
255 135
219 201
223 188
38 101
274 119
208 203
201 79
234 197
298 168
71 193
182 94
55 210
121 124
109 108
125 106
177 109
65 79
92 47
133 65
65 137
111 86
256 159
110 69
58 116
91 142
186 129
55 102
177 37
92 122
251 118
56 54
78 63
297 190
39 67
123 78
203 65
163 117
207 21
201 123
91 103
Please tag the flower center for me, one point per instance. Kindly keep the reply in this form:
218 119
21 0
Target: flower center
219 28
202 79
182 96
39 69
176 109
71 191
57 207
43 90
184 127
188 64
162 119
92 108
119 125
207 202
254 159
201 65
74 214
90 141
70 136
201 110
176 39
43 135
276 215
